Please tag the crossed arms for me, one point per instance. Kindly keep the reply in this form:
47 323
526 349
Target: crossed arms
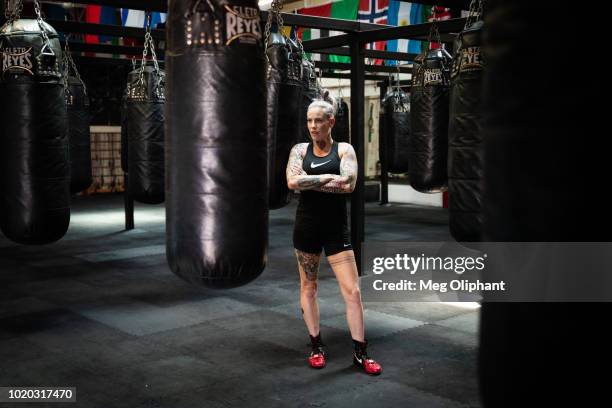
297 179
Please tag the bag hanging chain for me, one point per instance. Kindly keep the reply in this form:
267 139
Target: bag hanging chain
274 12
40 22
12 11
475 12
148 43
69 63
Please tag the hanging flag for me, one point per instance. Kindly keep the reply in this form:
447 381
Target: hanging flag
342 9
136 18
109 16
374 11
400 14
133 18
92 15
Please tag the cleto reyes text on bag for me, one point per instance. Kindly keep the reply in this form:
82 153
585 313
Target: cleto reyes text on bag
242 24
209 27
17 59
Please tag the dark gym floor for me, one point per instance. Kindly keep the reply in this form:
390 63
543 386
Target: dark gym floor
100 311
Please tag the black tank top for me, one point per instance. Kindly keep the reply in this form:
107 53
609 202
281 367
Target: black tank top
317 204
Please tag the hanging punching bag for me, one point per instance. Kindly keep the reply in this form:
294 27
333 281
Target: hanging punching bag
395 125
429 99
341 130
217 192
465 143
34 161
79 138
145 134
283 101
311 91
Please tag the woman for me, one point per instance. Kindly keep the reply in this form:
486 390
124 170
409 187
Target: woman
325 171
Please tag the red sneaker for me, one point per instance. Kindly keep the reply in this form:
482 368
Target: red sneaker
317 358
367 364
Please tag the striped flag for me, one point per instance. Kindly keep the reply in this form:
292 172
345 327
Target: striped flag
374 11
401 14
343 9
136 18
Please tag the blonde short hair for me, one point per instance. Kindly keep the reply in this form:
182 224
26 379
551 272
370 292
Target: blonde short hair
328 109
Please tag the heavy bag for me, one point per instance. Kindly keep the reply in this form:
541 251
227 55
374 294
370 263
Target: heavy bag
429 99
79 138
533 151
395 128
145 135
341 130
34 155
284 103
311 91
465 143
217 192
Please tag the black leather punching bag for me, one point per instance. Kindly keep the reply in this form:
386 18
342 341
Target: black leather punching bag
534 121
429 99
77 103
217 196
465 149
34 155
145 135
341 130
395 127
283 101
311 91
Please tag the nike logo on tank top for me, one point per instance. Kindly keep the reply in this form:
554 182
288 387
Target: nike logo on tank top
314 165
318 204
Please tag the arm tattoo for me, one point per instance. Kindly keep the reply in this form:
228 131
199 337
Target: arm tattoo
309 182
294 165
348 166
348 170
309 263
296 173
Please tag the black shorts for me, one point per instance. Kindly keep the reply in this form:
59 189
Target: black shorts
310 235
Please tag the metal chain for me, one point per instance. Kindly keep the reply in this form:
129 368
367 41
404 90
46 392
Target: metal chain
40 22
12 11
148 43
435 34
275 11
70 64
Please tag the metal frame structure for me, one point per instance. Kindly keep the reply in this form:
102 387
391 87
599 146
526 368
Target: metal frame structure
352 43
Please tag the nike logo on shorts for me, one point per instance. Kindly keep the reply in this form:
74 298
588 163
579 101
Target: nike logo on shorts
314 166
346 245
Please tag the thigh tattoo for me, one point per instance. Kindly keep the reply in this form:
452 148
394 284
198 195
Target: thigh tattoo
309 263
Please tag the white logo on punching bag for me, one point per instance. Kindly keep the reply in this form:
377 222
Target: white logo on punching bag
242 24
17 59
470 59
432 76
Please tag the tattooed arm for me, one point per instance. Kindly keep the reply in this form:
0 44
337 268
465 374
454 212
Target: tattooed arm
345 183
297 179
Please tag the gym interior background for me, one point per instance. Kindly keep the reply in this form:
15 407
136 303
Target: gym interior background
102 288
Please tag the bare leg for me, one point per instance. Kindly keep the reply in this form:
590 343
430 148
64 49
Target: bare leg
308 265
344 266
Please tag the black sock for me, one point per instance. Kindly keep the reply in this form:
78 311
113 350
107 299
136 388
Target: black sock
360 348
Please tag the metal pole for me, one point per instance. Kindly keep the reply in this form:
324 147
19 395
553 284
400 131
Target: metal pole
382 153
357 140
129 206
